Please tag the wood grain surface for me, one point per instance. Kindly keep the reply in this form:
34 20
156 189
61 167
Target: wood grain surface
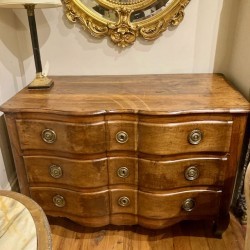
187 235
146 94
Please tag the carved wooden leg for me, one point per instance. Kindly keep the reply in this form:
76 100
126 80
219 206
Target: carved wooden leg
221 225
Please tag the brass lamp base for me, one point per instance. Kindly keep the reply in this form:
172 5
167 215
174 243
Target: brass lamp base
41 82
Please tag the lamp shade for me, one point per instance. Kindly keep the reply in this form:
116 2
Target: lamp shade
16 4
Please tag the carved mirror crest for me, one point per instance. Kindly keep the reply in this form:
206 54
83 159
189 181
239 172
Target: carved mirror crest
125 20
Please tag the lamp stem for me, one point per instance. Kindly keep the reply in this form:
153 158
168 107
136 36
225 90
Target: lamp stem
34 38
41 81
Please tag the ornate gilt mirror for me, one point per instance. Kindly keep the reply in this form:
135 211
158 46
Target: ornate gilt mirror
125 20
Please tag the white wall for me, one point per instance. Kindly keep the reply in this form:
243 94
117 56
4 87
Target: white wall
10 83
193 47
233 51
70 50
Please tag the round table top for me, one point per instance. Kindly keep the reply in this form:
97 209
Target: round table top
23 224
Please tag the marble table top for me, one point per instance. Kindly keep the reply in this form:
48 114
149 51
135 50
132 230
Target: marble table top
17 227
23 224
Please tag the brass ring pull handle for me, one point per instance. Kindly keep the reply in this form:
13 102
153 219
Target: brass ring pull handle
121 137
188 205
55 171
195 137
59 201
123 172
49 136
123 201
192 173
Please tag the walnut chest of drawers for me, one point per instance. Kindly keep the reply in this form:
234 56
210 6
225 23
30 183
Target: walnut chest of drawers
149 150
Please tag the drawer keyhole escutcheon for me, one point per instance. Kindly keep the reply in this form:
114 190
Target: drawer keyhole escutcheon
59 201
49 135
188 205
123 172
123 201
55 171
195 137
192 173
121 137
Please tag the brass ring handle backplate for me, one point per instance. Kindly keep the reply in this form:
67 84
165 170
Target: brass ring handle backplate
188 205
55 171
123 201
192 173
195 137
49 135
59 201
123 172
122 137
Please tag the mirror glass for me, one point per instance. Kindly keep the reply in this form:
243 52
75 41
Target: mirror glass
151 10
138 15
97 9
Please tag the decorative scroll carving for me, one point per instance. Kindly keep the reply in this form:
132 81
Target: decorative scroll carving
74 14
124 20
123 33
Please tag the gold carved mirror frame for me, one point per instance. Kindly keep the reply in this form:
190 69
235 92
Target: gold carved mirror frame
125 20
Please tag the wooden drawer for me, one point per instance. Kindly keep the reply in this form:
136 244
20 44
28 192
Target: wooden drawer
65 202
80 138
75 174
122 135
184 137
163 175
170 205
123 170
123 201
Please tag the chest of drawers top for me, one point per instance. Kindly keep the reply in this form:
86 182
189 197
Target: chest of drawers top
142 94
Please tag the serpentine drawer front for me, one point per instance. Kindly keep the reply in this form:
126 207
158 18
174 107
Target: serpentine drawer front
149 150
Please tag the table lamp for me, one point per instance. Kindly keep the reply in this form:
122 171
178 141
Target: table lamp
40 81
